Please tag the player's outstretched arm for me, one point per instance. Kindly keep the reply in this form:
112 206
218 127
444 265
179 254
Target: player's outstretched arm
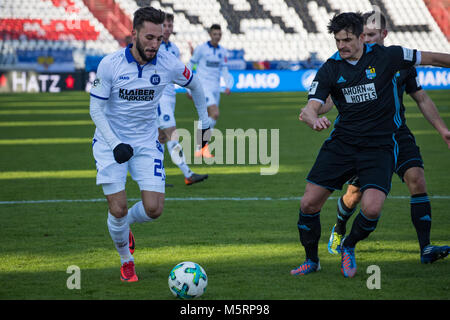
309 115
435 59
431 113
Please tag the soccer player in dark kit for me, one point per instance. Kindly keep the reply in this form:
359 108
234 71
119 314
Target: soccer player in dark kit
360 79
409 167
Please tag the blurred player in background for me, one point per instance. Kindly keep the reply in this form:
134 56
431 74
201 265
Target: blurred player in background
123 106
166 113
409 166
210 59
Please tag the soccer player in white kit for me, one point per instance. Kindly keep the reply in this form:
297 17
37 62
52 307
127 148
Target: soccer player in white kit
166 113
123 106
211 61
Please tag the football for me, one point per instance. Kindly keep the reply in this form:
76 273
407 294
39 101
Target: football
187 280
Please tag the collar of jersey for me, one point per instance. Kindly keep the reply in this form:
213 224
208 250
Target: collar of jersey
131 59
167 44
211 46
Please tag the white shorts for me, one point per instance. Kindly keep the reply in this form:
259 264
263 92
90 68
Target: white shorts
212 96
166 112
146 167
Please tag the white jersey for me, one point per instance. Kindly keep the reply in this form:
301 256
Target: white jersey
172 48
211 63
133 91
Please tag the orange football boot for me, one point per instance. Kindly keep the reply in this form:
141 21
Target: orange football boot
204 152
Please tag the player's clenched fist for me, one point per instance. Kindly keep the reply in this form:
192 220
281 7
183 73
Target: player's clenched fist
123 152
321 123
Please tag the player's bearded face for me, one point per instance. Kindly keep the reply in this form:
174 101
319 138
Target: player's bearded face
148 39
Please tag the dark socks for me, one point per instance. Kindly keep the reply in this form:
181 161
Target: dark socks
309 230
361 228
343 214
421 218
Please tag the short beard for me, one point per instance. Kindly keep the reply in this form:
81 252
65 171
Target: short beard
141 51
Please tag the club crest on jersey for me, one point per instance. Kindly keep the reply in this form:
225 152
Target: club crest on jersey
370 73
155 79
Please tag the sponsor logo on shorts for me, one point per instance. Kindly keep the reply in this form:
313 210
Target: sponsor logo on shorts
358 94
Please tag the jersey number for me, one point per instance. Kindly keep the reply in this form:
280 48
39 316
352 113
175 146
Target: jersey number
158 168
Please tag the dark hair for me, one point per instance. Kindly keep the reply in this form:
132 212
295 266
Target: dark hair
372 16
349 21
147 14
169 17
215 26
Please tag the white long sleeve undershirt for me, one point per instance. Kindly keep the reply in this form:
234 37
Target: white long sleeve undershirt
96 110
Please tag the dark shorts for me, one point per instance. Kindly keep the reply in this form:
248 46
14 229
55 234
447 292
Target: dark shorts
338 161
409 153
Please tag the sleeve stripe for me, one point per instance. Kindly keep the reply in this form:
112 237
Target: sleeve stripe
192 76
98 97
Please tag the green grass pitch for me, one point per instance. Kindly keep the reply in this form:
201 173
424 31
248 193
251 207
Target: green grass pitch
245 235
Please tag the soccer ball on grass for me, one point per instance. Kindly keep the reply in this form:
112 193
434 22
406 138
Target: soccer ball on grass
187 280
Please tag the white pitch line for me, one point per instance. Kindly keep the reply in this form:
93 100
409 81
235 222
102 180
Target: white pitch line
196 199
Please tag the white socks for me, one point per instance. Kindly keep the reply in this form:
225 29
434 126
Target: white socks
137 214
177 155
212 123
119 231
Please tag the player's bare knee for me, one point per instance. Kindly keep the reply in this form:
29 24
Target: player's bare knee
416 183
371 211
162 139
213 112
308 206
154 211
118 210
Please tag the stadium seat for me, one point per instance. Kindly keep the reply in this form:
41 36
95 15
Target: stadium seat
293 28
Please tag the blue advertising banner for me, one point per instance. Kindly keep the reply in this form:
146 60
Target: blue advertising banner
272 80
46 60
434 78
286 80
